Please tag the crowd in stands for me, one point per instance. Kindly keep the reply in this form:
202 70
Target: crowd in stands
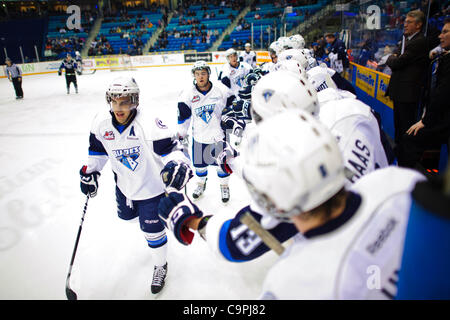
58 46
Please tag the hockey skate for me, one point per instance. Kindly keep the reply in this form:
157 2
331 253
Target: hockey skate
159 277
199 190
225 192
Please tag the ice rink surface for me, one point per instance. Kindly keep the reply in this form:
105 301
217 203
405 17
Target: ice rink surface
44 141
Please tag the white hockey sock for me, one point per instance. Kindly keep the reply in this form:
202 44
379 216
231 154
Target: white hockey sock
160 255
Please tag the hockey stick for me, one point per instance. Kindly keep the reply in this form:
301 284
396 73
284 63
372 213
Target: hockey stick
265 236
86 74
71 295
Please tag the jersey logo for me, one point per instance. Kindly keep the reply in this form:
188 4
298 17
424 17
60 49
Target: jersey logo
108 135
128 157
267 95
132 135
195 99
160 124
205 112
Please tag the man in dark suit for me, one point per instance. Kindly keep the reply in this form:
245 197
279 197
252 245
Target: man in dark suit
337 53
434 128
409 66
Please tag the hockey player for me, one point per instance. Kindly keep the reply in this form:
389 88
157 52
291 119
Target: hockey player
248 55
323 77
140 148
352 239
350 120
356 130
70 66
275 49
233 73
79 62
202 104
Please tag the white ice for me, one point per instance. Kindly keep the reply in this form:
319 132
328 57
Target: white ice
44 141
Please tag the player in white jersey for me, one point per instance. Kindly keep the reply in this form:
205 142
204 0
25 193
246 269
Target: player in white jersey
202 104
233 73
275 49
352 121
145 157
248 55
352 239
323 77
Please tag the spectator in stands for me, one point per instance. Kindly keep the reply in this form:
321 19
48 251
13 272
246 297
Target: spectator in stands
433 129
409 65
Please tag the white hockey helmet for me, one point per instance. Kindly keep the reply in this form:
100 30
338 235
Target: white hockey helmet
123 87
306 52
281 90
285 43
77 53
320 77
200 65
294 54
292 164
297 41
247 45
275 47
292 66
230 52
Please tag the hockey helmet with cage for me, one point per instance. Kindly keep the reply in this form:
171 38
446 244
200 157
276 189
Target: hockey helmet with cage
200 65
287 175
282 90
123 87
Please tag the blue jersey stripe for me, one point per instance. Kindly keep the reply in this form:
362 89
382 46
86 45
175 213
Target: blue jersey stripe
223 242
96 153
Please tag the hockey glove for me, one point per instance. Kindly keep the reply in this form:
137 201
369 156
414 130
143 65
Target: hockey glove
59 72
176 174
89 182
175 211
245 93
242 109
232 124
224 157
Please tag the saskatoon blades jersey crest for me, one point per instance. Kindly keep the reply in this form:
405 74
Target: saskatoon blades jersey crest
138 152
204 109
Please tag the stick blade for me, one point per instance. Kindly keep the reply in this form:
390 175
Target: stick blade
71 295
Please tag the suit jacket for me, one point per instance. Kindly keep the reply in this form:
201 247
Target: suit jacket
437 115
409 70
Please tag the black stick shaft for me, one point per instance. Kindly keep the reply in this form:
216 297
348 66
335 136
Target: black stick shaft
71 295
